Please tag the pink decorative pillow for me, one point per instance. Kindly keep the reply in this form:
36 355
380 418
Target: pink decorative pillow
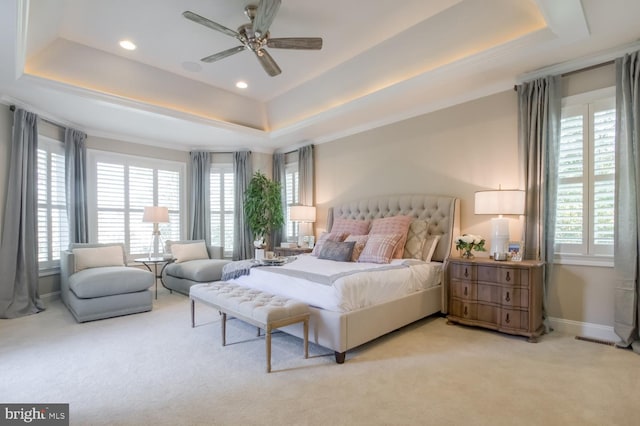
328 236
380 248
393 225
351 226
360 241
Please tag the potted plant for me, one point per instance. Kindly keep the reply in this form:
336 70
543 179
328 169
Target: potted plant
263 209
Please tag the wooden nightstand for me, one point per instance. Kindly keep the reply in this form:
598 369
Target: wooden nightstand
291 251
503 296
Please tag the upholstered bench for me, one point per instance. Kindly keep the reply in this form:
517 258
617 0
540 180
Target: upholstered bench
255 307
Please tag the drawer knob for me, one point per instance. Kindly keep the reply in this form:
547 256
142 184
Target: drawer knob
507 319
508 299
466 273
466 311
465 291
508 277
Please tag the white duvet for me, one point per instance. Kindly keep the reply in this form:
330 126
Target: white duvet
344 286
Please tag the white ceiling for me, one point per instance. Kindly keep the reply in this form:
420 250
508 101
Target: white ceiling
382 61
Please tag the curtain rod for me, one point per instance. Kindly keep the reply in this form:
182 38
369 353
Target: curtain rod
13 108
587 68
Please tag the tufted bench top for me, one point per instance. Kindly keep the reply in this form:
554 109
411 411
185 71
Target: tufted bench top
262 307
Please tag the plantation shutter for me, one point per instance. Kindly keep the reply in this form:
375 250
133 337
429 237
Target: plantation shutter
222 195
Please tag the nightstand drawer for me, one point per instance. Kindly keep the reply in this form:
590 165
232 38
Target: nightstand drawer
511 318
464 310
489 314
463 272
512 276
489 293
463 290
515 297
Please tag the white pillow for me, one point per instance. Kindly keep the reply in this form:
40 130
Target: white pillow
190 251
430 247
96 257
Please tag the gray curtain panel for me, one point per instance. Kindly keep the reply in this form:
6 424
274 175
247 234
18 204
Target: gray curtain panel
243 240
305 187
75 154
539 113
19 249
626 246
305 173
279 176
200 220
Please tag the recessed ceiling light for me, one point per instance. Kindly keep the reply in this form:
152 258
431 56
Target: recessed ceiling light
127 44
242 85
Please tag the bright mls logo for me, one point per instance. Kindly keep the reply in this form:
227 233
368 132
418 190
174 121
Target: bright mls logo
34 414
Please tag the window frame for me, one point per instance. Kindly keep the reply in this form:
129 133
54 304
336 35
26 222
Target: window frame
51 265
94 156
588 253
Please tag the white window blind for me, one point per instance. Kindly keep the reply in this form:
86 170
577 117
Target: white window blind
222 206
53 228
291 190
586 177
124 187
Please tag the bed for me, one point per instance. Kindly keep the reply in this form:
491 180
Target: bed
343 314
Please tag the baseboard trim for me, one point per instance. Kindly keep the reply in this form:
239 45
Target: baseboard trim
50 297
590 330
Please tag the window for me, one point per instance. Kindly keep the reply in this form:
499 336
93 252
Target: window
222 201
586 176
291 186
123 186
53 228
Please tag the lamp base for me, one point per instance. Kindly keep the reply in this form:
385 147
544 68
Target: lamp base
499 238
156 245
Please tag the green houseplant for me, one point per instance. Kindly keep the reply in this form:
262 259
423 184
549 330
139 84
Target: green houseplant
263 207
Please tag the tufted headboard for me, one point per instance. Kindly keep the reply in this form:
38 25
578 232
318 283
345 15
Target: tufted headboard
442 213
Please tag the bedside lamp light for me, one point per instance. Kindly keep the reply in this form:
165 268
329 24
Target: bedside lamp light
303 214
500 202
156 215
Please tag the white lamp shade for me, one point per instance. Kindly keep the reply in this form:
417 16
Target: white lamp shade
156 214
303 214
508 201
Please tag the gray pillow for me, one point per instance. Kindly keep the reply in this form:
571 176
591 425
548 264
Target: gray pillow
338 251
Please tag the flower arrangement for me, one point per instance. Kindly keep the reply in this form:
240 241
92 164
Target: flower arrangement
468 242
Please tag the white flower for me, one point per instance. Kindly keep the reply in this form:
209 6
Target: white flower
467 238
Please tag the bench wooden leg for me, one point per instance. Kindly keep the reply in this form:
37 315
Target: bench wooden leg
267 339
306 338
223 325
193 313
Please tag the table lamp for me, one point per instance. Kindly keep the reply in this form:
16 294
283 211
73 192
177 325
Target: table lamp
156 215
500 202
303 214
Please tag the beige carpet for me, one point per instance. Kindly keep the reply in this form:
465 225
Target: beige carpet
154 369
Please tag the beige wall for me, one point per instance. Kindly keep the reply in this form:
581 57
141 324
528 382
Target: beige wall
455 151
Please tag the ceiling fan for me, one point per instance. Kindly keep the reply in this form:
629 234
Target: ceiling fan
255 36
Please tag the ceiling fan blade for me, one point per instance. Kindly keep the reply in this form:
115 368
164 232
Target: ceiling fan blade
268 63
209 23
223 54
305 43
267 10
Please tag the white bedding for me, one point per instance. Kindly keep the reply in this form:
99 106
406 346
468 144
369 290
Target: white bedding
354 285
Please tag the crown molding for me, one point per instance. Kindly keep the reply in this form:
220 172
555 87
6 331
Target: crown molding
581 63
